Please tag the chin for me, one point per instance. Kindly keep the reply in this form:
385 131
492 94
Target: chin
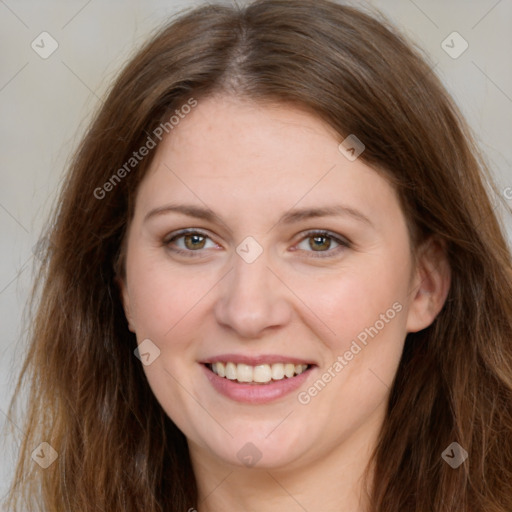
259 453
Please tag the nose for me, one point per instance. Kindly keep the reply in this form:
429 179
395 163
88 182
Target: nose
252 299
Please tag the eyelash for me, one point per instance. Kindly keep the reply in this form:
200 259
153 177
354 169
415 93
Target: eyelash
342 243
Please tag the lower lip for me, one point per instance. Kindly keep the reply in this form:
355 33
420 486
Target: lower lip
255 393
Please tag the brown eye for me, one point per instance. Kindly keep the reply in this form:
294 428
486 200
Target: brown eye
319 243
323 243
190 243
194 241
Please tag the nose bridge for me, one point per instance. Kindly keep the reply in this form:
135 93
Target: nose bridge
252 298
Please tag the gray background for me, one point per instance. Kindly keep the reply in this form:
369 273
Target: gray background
45 105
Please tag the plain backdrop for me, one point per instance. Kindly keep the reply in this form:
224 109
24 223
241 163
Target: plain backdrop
45 105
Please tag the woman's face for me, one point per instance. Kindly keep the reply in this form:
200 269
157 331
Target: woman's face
295 256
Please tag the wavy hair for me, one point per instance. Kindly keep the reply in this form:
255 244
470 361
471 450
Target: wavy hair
88 396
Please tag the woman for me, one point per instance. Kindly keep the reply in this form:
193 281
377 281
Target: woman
275 282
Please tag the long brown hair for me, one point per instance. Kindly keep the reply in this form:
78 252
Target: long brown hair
88 396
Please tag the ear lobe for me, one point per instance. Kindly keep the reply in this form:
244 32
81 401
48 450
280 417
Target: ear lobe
125 300
431 285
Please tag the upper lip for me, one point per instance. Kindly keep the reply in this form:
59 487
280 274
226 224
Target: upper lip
255 360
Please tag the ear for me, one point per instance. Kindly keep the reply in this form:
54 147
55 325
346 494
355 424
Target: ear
125 300
431 284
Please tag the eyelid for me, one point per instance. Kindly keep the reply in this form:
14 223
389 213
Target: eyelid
343 242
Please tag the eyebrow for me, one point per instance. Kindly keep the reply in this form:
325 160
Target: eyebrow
290 217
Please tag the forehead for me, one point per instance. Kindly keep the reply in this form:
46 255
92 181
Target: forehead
239 155
234 135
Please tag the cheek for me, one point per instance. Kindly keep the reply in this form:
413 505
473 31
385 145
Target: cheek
167 308
356 301
162 297
365 316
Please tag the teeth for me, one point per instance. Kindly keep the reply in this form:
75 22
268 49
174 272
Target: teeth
244 373
289 370
277 371
230 371
262 373
221 369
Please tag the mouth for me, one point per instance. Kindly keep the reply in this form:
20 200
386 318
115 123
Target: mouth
256 374
256 380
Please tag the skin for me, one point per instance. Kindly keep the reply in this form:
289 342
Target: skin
251 163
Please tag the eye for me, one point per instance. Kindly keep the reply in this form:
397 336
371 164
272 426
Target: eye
322 242
189 241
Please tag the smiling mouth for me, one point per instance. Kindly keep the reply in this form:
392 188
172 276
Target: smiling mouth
258 374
